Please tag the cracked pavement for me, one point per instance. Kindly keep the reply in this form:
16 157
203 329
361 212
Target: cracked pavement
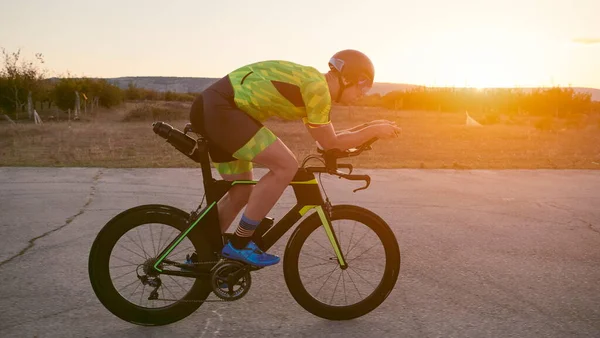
508 253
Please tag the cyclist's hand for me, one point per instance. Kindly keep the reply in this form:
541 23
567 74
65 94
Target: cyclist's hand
385 131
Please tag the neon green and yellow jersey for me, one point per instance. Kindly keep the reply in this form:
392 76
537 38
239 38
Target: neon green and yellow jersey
282 89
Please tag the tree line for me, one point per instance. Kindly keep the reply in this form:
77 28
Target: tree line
555 101
23 82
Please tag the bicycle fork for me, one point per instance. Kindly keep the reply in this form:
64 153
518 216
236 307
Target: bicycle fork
326 222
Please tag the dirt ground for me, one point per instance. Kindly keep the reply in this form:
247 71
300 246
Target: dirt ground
429 140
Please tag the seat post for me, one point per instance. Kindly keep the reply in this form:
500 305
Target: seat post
205 163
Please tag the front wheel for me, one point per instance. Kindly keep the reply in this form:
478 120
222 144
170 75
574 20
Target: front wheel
315 278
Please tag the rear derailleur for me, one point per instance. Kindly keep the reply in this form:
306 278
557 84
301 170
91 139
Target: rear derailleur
153 281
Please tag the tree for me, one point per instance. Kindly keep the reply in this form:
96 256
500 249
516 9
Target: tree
18 80
110 95
133 92
99 91
63 93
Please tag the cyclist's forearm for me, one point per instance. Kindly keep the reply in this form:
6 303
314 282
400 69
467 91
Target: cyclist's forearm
353 139
356 128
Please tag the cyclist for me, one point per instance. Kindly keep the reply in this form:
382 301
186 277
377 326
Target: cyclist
230 113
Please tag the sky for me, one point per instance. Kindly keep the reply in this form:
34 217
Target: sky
474 43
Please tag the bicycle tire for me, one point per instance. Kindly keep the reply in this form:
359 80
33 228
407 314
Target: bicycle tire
376 298
98 267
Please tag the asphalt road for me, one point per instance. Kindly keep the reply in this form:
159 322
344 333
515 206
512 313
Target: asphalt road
511 253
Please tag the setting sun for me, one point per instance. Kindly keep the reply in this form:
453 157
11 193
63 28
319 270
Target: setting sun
480 59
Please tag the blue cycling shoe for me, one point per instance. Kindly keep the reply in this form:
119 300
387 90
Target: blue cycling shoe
251 255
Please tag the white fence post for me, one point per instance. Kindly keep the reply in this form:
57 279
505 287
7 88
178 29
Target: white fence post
77 103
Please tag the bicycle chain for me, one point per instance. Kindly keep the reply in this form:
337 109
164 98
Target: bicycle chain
195 301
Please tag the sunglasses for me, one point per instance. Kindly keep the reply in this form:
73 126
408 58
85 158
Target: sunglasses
364 85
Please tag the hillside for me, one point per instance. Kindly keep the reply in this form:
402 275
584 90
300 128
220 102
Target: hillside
198 84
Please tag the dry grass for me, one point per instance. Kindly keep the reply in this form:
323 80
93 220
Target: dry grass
429 140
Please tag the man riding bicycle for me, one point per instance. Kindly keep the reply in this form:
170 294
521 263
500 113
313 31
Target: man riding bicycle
230 113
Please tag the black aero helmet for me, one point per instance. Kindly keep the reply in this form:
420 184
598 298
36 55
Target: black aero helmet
353 66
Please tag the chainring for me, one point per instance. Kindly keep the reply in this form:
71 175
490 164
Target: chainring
220 280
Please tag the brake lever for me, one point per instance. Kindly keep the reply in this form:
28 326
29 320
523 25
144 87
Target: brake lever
346 166
365 178
368 180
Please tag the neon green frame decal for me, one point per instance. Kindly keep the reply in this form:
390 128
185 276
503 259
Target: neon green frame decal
328 229
306 209
329 232
181 237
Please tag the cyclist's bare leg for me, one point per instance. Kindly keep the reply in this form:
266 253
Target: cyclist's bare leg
234 201
282 165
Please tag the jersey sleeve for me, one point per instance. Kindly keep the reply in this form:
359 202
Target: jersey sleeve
317 101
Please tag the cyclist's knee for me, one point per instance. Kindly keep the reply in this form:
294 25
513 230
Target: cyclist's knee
279 160
292 169
286 169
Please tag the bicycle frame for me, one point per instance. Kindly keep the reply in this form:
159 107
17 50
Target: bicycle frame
308 196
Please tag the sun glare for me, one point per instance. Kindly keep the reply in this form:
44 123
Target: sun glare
480 59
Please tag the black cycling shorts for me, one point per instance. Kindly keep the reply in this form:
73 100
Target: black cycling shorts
234 137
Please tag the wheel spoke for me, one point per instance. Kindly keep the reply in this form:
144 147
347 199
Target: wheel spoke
130 272
320 264
326 281
152 240
362 269
142 295
176 282
134 290
142 243
359 275
124 260
123 266
171 292
338 235
123 288
357 242
317 257
344 284
167 240
160 240
351 237
132 241
319 244
366 258
352 280
372 246
336 285
321 276
133 252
